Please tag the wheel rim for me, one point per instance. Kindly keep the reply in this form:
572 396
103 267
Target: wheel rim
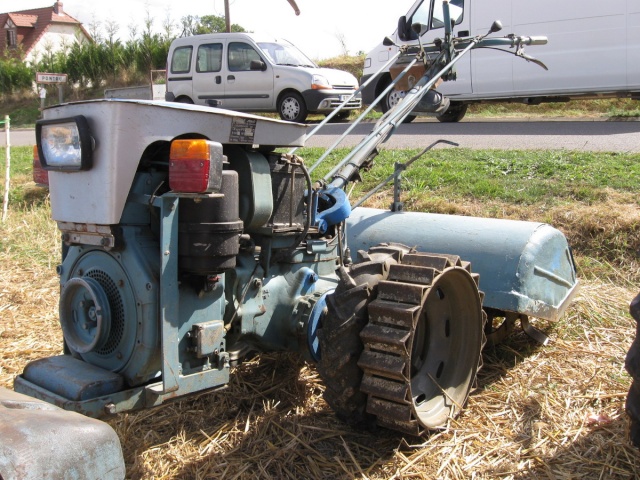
290 108
394 97
422 343
446 348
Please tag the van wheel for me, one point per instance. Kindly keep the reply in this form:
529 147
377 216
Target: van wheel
391 100
454 113
292 108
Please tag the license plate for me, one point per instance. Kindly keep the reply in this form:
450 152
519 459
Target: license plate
344 98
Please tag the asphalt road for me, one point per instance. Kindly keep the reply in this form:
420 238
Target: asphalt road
18 137
617 136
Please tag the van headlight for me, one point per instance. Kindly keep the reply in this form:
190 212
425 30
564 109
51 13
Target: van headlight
65 144
318 82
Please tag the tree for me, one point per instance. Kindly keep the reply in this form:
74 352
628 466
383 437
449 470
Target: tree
193 25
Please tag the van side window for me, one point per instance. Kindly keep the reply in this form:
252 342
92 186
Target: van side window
456 10
181 60
421 15
209 58
240 56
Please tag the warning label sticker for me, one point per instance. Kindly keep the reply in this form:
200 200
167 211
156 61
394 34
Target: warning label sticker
243 130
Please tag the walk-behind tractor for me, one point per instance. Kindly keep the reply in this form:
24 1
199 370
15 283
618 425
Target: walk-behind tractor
189 243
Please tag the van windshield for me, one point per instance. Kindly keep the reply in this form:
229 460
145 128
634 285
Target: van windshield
284 54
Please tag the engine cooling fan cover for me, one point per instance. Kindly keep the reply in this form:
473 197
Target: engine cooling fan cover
99 313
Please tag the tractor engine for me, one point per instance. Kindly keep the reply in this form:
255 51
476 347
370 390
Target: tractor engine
213 256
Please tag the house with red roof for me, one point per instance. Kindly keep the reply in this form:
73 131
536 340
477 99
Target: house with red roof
39 30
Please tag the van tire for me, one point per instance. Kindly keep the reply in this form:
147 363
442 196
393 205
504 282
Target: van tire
184 100
391 99
454 113
291 107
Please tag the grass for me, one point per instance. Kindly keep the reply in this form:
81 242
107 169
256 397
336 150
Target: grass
539 412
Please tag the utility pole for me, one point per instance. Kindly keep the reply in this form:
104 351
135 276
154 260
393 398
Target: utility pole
227 18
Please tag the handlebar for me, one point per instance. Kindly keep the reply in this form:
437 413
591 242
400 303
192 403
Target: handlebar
539 40
507 41
462 43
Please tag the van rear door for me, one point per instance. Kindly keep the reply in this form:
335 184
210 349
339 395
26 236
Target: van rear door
179 76
208 84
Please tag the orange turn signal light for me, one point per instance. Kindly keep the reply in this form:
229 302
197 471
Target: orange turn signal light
195 166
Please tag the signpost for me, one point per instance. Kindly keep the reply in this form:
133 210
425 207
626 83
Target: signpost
7 129
51 78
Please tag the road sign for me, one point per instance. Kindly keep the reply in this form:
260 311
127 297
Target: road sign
51 78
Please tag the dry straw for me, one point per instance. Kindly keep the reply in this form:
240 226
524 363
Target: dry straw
552 412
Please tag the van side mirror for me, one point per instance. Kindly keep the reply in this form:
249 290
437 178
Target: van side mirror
419 28
257 65
403 29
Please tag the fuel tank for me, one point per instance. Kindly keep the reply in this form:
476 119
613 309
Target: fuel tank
524 267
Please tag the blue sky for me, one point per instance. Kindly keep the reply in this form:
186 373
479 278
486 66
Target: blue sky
318 31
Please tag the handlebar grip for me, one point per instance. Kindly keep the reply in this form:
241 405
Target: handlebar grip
539 40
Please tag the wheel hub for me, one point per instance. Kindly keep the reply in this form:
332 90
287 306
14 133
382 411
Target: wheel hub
290 108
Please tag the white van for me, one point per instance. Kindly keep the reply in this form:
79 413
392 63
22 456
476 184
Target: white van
251 73
593 51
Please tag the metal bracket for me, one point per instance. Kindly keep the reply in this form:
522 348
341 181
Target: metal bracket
398 169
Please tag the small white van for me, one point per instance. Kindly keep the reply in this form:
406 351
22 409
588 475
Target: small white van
251 73
593 51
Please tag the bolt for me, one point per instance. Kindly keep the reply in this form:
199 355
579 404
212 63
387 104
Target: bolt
105 242
119 356
110 409
166 253
257 283
92 313
149 286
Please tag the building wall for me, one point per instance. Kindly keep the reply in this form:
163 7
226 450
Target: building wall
56 38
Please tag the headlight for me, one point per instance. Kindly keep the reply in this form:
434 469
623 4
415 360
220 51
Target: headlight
319 83
64 144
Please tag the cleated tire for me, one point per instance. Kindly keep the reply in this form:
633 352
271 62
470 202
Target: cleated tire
401 340
339 333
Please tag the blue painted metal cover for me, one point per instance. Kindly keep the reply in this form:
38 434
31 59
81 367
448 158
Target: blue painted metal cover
39 440
524 267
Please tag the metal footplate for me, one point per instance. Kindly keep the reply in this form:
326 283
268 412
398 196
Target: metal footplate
422 343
